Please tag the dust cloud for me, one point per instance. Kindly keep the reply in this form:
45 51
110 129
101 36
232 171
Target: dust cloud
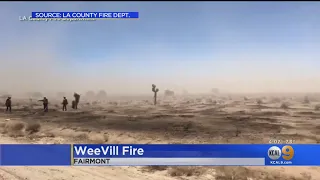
26 68
32 61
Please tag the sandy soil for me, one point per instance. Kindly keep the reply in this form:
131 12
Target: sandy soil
179 120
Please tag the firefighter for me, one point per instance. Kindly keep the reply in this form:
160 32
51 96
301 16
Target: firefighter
8 104
45 104
64 104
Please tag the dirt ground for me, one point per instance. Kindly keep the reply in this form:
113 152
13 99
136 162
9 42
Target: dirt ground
189 119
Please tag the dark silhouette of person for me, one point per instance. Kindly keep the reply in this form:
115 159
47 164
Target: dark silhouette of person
8 104
45 104
64 104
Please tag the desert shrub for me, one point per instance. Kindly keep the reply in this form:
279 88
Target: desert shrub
259 101
208 100
214 102
99 138
186 171
306 176
33 128
2 124
85 137
275 100
233 173
81 136
168 93
154 168
14 126
284 106
50 134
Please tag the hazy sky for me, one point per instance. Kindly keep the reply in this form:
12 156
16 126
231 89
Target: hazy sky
234 46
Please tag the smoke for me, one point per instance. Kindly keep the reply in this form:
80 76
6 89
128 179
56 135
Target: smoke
33 58
29 53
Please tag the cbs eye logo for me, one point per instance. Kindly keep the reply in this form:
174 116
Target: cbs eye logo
275 152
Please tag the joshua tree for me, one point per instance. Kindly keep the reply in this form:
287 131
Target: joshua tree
155 90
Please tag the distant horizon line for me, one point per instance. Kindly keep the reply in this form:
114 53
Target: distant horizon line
178 94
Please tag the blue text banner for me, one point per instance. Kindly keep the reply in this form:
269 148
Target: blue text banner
88 15
159 154
294 154
35 155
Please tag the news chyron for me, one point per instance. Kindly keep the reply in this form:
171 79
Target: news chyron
78 16
91 161
281 156
97 156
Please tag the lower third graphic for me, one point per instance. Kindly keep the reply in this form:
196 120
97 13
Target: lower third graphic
280 156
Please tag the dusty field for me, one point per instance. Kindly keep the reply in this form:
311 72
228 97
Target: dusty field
182 120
